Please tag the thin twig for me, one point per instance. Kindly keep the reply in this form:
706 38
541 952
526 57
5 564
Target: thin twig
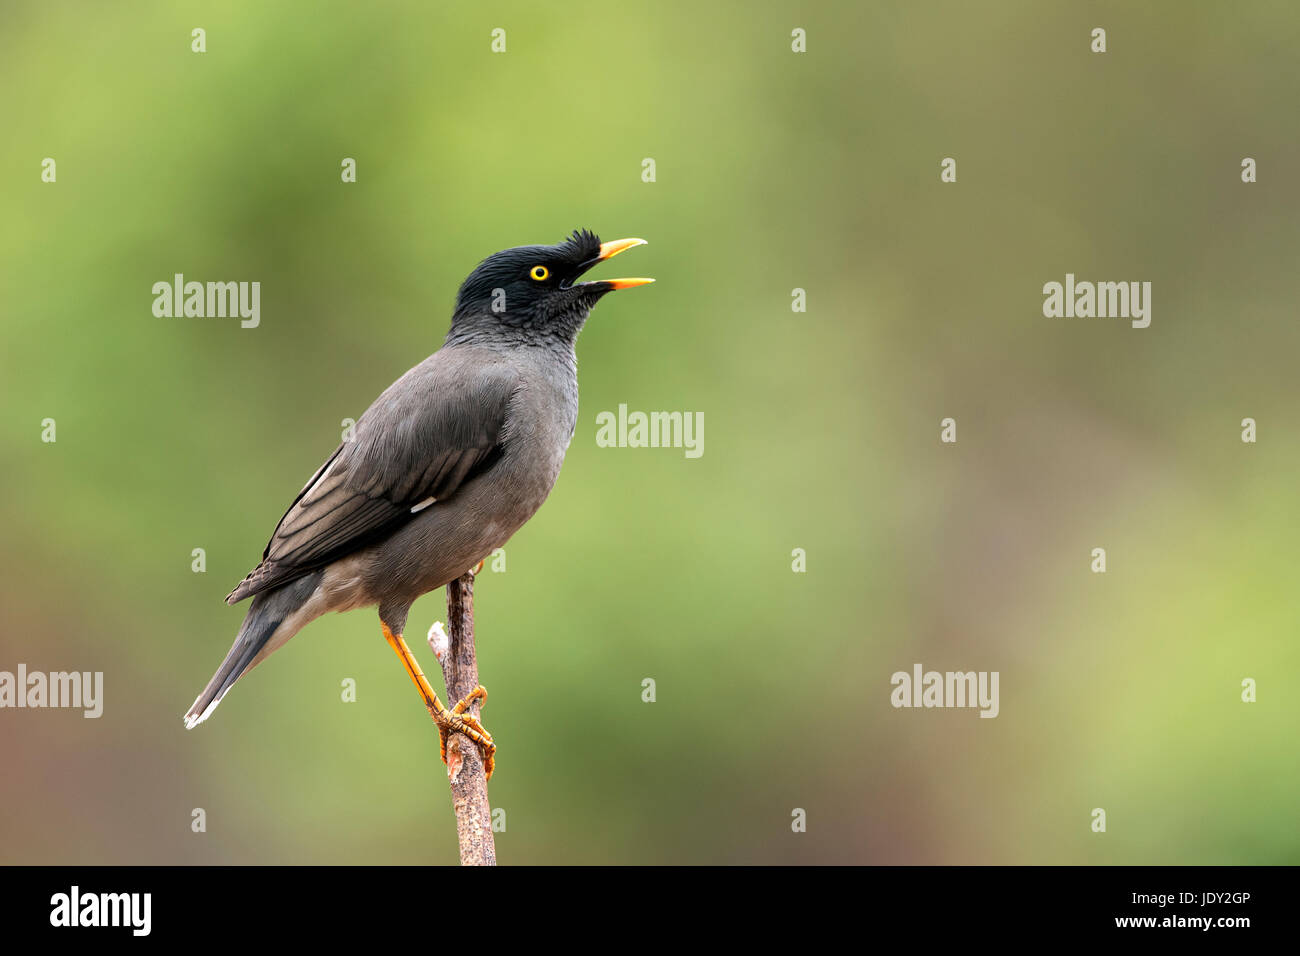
469 797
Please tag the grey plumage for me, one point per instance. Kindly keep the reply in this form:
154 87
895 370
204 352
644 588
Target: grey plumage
446 464
266 614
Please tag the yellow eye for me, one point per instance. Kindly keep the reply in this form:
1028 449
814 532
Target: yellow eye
540 273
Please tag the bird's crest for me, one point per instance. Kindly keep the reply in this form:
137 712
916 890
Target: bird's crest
581 246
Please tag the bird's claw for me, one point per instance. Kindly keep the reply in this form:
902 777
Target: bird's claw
458 721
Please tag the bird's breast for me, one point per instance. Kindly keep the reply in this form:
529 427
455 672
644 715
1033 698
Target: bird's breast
547 418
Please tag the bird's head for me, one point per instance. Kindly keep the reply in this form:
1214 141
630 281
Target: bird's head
534 293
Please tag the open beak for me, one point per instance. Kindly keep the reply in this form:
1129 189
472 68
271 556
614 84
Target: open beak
608 250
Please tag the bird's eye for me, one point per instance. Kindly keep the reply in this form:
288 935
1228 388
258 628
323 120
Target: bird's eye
540 273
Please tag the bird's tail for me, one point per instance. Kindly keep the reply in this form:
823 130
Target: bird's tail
265 616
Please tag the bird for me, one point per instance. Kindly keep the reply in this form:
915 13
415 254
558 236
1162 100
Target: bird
440 471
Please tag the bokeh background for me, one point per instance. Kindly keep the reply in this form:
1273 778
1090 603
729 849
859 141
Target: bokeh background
775 170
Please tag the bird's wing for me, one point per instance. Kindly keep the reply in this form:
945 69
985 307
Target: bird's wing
438 426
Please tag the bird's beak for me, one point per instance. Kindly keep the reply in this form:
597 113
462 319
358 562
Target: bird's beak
608 250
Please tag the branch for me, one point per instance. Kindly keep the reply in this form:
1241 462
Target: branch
469 797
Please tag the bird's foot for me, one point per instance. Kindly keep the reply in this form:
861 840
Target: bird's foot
459 721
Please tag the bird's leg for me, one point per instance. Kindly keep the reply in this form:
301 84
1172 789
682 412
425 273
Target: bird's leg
454 721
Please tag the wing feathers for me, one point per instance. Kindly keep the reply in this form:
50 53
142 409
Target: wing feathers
432 430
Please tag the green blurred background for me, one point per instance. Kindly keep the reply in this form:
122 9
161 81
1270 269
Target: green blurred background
775 170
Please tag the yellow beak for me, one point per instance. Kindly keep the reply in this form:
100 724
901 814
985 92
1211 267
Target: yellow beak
609 250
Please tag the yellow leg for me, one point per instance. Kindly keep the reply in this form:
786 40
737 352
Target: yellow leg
454 721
